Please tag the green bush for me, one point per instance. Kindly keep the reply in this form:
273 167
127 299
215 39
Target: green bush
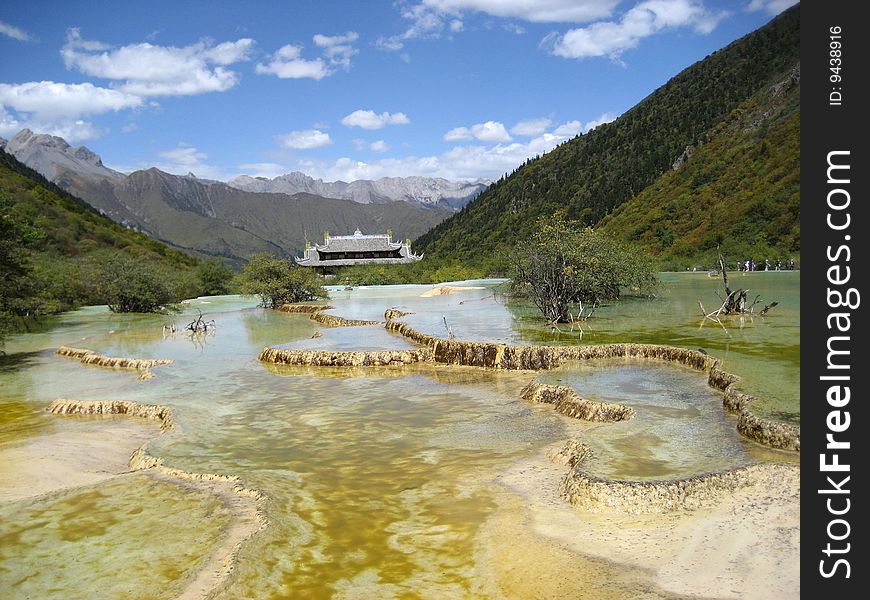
215 279
131 285
562 264
278 282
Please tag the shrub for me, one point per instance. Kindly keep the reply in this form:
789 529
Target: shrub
278 282
562 264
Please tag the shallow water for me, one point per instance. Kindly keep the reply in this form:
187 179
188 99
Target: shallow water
136 538
379 482
679 427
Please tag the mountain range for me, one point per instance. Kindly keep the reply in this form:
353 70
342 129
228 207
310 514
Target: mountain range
425 190
213 219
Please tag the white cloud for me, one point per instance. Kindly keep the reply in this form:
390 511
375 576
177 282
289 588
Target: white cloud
9 125
49 100
379 146
58 108
531 127
333 41
14 32
184 154
73 131
430 18
535 11
514 28
287 63
771 7
337 48
491 131
458 163
185 159
368 119
305 140
612 38
569 129
390 44
149 70
268 170
605 118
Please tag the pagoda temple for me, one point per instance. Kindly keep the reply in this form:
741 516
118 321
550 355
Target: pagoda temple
357 249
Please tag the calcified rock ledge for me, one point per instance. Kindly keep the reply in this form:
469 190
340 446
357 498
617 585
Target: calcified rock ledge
394 313
536 358
315 313
781 436
315 358
157 412
247 504
596 494
499 356
569 454
306 309
770 433
89 357
566 401
336 321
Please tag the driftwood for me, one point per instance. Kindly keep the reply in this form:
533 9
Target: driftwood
736 301
200 326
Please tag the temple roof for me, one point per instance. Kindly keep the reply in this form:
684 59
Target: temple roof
330 252
358 243
346 262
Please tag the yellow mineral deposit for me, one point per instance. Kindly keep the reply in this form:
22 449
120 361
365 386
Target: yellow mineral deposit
343 359
567 402
304 309
89 357
245 504
403 525
447 290
163 414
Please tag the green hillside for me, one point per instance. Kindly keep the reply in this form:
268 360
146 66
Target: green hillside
591 175
53 243
740 189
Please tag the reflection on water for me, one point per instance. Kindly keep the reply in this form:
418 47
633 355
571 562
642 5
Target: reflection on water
379 482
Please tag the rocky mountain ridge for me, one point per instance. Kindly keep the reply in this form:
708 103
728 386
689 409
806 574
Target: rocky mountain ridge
48 155
430 191
208 218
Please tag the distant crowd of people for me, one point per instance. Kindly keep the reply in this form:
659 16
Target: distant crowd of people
767 265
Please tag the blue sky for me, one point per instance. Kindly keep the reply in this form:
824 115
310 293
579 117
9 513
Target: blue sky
344 90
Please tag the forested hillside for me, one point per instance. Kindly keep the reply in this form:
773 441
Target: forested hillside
591 175
740 189
54 246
